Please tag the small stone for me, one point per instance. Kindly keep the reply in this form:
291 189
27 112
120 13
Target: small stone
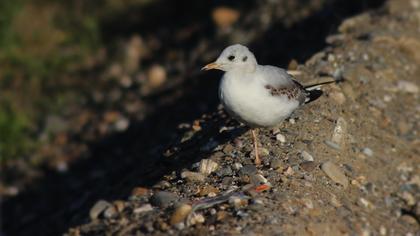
407 86
110 212
335 202
224 17
97 209
338 97
225 171
193 176
382 230
180 214
332 144
409 219
263 152
196 218
364 202
258 179
408 198
228 149
208 190
404 127
144 208
163 199
306 156
248 170
121 124
139 192
289 171
277 164
119 205
162 184
335 173
308 203
227 181
207 166
237 166
156 76
340 132
367 151
308 166
281 138
221 215
237 202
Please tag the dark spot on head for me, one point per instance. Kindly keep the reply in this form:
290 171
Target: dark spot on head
231 57
244 58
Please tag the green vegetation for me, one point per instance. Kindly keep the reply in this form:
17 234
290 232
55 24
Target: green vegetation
40 43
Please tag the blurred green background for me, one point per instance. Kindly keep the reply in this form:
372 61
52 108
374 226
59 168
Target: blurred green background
43 45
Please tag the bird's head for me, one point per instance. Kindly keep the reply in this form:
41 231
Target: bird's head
235 57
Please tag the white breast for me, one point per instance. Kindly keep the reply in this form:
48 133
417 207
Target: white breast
246 99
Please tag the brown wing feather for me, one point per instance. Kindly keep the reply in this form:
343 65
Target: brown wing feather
293 91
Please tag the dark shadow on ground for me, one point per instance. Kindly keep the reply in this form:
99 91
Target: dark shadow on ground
135 158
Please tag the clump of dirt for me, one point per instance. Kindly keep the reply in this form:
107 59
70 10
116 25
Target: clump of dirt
347 163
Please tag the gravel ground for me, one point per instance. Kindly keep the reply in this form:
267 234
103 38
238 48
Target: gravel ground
345 164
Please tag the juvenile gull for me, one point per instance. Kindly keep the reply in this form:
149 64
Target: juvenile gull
256 95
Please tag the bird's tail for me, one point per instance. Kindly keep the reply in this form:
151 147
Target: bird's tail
314 89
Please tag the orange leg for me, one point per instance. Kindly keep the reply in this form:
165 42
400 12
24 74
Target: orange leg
257 156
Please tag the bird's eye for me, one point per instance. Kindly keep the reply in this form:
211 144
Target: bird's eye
231 57
244 58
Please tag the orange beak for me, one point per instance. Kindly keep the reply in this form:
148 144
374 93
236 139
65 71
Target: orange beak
211 66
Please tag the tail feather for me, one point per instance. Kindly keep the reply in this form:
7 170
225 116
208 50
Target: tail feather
314 90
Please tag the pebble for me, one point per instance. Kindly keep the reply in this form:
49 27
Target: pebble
367 151
340 132
110 212
225 171
208 191
263 152
180 214
237 202
156 76
258 179
207 166
119 205
122 124
163 199
97 209
335 173
408 198
139 192
382 230
308 166
306 156
228 149
277 164
281 138
237 166
332 144
144 208
338 97
227 181
289 171
224 17
248 170
193 176
196 218
407 86
221 215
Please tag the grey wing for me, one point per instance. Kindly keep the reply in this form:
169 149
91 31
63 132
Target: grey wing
280 83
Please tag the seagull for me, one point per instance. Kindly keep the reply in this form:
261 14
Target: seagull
259 96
